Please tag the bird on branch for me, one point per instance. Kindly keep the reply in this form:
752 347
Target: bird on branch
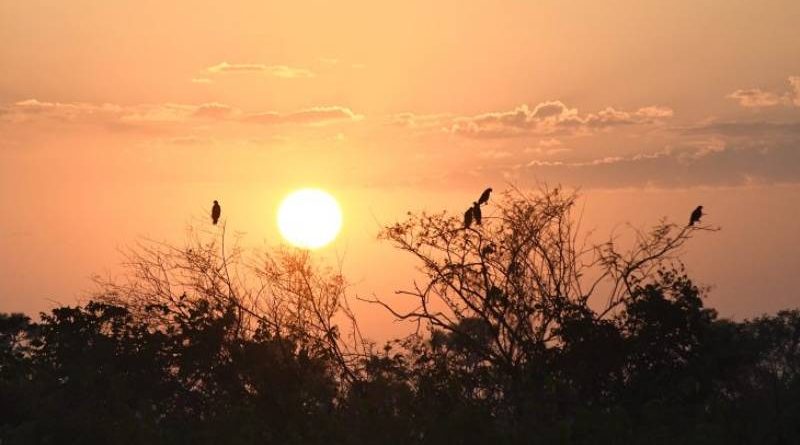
484 196
216 211
468 218
696 215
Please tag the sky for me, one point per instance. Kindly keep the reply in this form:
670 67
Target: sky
124 120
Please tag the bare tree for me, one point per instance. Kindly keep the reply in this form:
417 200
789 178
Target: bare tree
520 273
283 292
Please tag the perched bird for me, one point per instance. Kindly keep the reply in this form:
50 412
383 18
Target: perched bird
215 212
488 249
476 212
696 215
468 218
484 196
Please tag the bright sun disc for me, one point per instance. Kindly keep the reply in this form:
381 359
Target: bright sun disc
309 218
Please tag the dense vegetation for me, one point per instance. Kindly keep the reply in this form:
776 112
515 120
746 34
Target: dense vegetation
523 334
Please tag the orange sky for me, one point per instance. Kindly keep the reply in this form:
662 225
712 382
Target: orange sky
125 119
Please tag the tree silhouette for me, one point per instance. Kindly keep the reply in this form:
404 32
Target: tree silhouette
524 273
281 291
526 332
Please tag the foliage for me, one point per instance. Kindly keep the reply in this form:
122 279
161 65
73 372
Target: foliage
526 333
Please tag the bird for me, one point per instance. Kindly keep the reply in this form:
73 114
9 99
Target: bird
488 249
484 196
696 215
468 218
216 210
476 212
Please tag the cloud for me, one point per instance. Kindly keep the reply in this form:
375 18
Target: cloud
755 98
553 117
546 118
215 111
730 153
758 98
593 162
84 112
655 112
711 153
33 110
714 164
421 121
548 147
282 71
746 129
708 147
311 116
727 153
794 82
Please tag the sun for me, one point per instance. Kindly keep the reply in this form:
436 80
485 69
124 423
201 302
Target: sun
309 218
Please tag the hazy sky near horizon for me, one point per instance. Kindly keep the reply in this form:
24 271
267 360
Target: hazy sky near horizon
125 119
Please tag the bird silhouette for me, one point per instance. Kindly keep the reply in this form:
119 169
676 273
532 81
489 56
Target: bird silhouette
476 212
468 217
484 196
696 215
216 210
488 249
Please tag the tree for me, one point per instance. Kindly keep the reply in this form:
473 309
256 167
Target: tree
525 331
529 301
524 272
280 293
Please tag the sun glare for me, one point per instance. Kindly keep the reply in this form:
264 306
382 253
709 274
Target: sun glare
309 218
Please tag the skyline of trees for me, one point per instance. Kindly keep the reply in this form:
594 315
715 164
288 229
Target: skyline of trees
523 332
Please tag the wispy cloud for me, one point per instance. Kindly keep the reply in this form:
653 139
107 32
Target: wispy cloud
758 98
85 112
33 110
559 144
311 116
553 117
757 130
755 98
281 71
421 121
545 118
216 110
729 153
548 147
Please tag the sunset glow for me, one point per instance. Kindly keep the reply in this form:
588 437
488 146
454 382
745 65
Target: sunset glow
125 120
416 222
